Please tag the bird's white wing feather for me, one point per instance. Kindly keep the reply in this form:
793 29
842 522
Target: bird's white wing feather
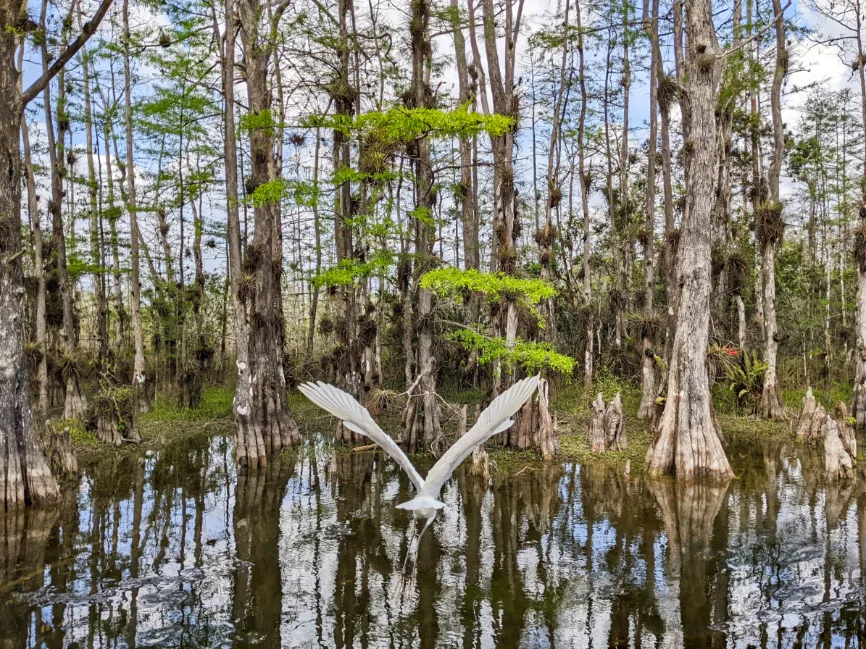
495 419
356 418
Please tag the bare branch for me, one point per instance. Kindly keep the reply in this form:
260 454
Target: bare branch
87 31
756 35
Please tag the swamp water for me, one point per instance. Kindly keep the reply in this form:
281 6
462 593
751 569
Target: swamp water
172 548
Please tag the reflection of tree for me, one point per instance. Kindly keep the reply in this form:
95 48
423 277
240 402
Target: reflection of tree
258 586
608 494
351 475
861 530
837 494
24 538
689 510
529 500
472 491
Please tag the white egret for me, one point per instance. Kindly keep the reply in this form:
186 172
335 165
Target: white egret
495 419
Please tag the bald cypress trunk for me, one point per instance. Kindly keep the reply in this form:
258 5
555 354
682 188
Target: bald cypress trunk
270 406
39 271
421 417
768 229
111 215
95 220
686 442
25 476
589 352
249 444
648 330
858 399
75 403
503 251
347 354
468 190
140 399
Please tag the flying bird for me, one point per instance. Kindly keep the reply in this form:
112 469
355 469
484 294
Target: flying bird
495 419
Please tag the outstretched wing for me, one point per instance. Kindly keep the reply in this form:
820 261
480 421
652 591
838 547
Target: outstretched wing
495 419
355 417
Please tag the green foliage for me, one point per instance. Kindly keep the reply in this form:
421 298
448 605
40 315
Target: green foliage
403 125
349 271
529 356
79 435
493 286
269 193
424 215
349 175
746 378
216 403
262 121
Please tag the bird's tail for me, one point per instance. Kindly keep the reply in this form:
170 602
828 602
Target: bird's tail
421 502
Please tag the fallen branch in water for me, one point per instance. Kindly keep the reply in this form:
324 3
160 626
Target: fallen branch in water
366 447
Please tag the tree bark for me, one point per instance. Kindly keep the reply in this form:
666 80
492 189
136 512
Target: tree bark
607 426
270 412
421 418
249 442
141 401
95 218
75 403
468 190
25 475
686 442
811 421
648 371
39 271
769 227
112 214
314 302
858 398
589 352
546 237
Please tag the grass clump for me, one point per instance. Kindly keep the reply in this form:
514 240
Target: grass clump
80 436
574 447
166 422
828 397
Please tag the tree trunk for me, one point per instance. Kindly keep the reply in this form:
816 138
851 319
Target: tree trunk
607 426
769 227
546 237
468 190
837 462
589 352
39 271
858 398
595 434
811 422
112 214
422 410
141 401
648 364
686 442
314 302
25 475
271 412
75 403
249 442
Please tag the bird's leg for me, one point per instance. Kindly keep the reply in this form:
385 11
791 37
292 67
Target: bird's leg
424 529
409 547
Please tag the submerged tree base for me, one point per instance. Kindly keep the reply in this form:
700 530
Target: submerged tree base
687 444
772 406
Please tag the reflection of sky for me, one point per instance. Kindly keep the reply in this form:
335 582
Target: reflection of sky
579 557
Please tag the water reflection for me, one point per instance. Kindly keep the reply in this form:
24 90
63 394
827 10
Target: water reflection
175 549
